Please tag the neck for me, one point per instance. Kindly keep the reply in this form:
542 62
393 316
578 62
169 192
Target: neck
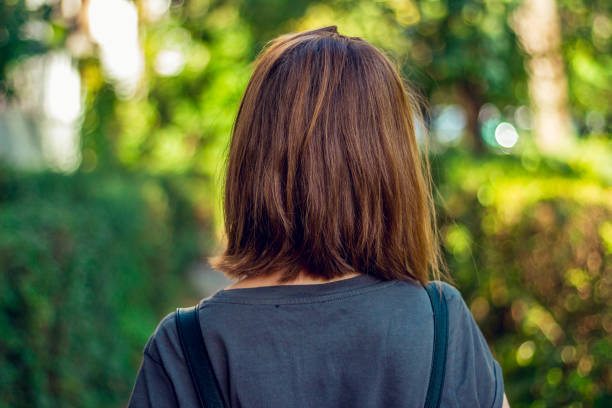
273 280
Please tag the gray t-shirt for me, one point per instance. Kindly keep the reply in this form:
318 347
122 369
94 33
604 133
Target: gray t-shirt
357 342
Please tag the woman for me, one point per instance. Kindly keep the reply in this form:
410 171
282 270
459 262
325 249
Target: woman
331 235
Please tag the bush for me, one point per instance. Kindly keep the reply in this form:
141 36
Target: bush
89 264
531 252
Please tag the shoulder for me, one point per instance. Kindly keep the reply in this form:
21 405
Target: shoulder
164 339
457 308
451 294
454 300
461 321
415 294
473 377
164 377
165 342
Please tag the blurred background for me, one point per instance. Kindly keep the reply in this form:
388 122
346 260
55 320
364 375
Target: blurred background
115 117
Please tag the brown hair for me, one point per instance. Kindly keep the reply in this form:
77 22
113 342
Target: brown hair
324 173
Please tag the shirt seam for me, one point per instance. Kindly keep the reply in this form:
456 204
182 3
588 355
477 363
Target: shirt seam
302 300
163 368
148 354
495 373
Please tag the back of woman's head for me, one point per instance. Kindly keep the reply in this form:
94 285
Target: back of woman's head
324 172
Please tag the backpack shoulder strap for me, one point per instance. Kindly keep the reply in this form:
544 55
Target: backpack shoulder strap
438 364
194 349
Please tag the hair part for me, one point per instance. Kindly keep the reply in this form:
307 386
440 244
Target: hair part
324 174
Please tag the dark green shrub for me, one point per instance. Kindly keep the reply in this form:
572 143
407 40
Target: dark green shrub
88 263
532 254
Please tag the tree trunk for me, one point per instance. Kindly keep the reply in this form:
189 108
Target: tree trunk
470 97
536 23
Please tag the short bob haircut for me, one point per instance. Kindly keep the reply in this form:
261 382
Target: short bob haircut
324 174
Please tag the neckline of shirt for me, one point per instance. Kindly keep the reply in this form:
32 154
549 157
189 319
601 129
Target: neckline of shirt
305 293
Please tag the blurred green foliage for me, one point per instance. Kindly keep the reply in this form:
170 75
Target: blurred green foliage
89 264
529 247
91 261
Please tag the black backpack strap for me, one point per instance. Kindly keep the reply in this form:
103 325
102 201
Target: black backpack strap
194 349
438 364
